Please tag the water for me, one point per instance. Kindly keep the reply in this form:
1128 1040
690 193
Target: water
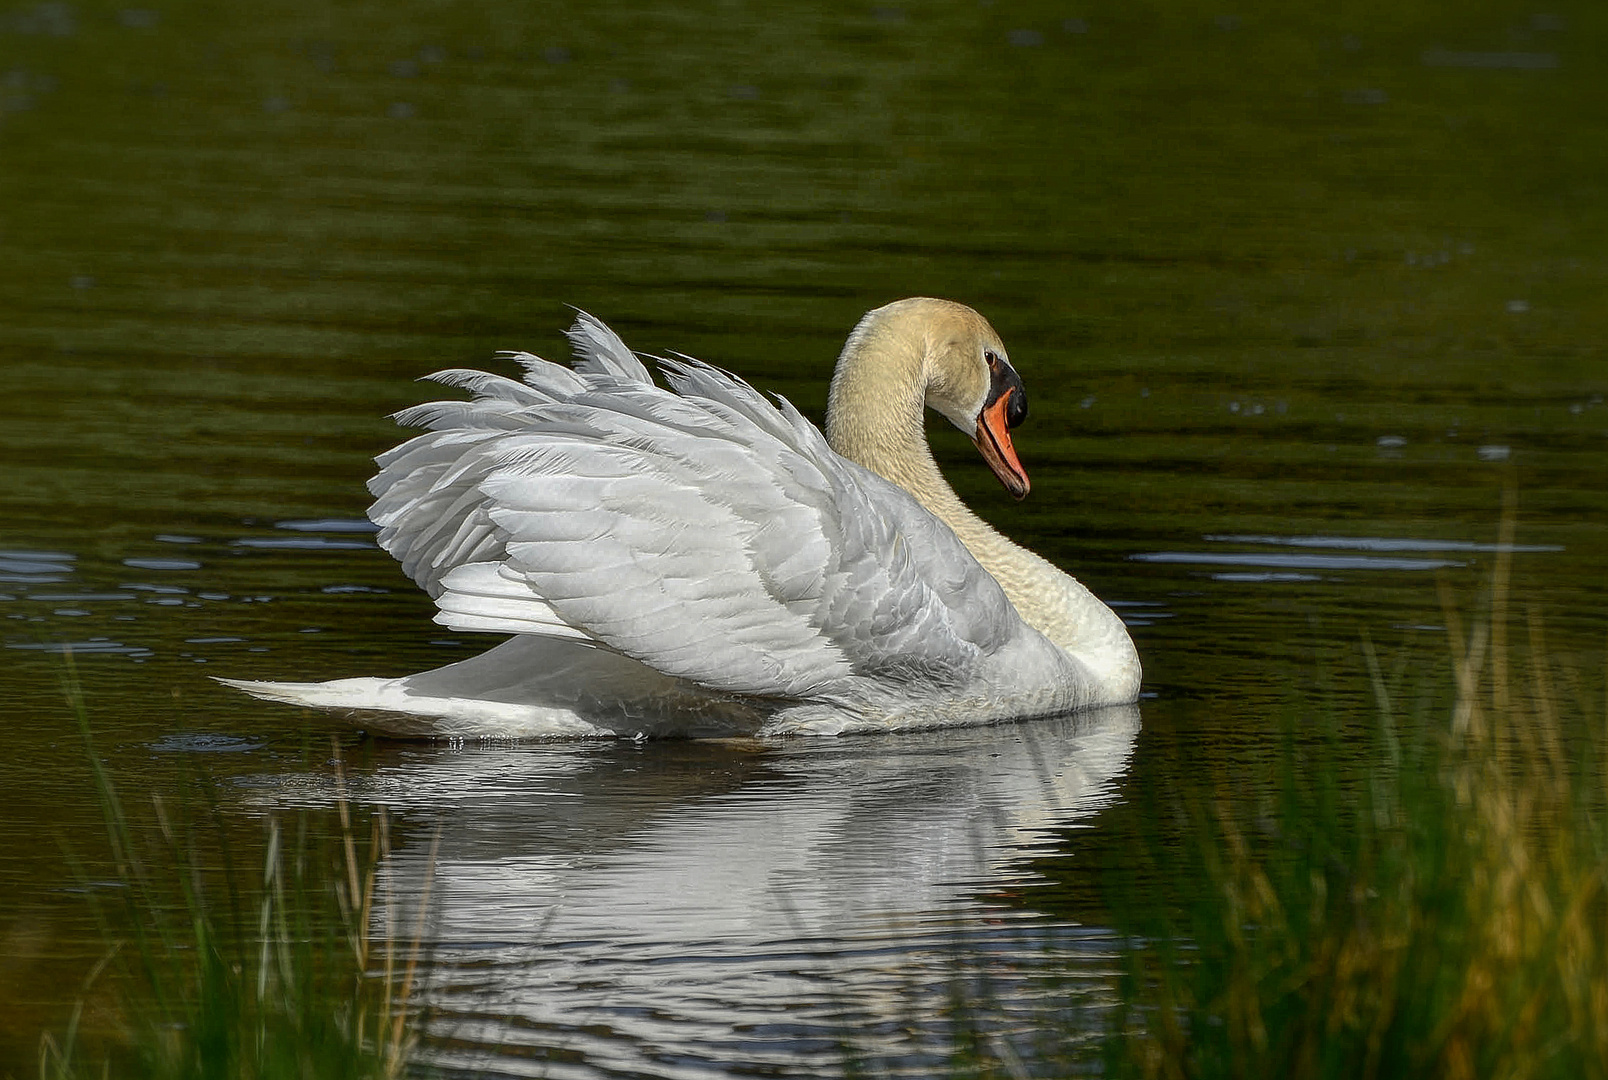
1294 297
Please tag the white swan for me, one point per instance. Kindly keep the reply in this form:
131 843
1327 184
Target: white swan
705 562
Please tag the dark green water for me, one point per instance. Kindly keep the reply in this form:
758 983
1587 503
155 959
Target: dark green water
1293 294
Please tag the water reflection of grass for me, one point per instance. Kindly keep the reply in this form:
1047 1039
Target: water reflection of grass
1440 916
212 970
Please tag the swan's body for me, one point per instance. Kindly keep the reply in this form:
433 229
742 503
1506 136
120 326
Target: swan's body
703 562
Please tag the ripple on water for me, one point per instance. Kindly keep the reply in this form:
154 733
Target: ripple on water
79 598
36 567
1140 612
1378 543
1285 561
161 590
307 543
347 530
92 646
162 564
194 742
1287 566
1267 577
334 525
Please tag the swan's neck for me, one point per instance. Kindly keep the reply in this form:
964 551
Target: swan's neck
877 419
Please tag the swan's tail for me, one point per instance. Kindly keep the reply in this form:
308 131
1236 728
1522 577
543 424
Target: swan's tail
393 707
339 694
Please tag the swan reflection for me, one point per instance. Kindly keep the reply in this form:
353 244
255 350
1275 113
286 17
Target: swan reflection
634 903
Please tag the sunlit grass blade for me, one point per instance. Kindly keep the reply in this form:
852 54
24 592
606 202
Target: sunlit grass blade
1442 915
259 976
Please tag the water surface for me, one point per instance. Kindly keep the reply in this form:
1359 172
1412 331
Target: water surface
1295 297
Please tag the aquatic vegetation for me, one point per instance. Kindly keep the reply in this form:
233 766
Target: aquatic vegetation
1442 914
285 969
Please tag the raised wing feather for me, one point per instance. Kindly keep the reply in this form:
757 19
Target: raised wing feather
600 350
709 533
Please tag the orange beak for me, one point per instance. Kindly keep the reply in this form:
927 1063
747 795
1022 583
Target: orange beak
993 439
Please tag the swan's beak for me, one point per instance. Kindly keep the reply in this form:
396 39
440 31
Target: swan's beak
1005 408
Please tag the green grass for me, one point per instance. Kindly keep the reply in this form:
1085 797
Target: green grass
214 970
1442 914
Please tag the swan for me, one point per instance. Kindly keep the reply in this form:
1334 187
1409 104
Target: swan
702 561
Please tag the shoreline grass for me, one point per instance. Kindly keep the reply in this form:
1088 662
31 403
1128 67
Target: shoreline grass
1444 916
294 967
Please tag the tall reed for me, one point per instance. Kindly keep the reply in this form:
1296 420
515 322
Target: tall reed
214 971
1443 917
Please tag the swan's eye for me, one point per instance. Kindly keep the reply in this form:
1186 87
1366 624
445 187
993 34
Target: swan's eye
992 357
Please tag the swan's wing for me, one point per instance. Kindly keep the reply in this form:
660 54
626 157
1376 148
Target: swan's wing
599 349
709 533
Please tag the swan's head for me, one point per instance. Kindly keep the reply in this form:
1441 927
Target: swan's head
970 381
933 352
